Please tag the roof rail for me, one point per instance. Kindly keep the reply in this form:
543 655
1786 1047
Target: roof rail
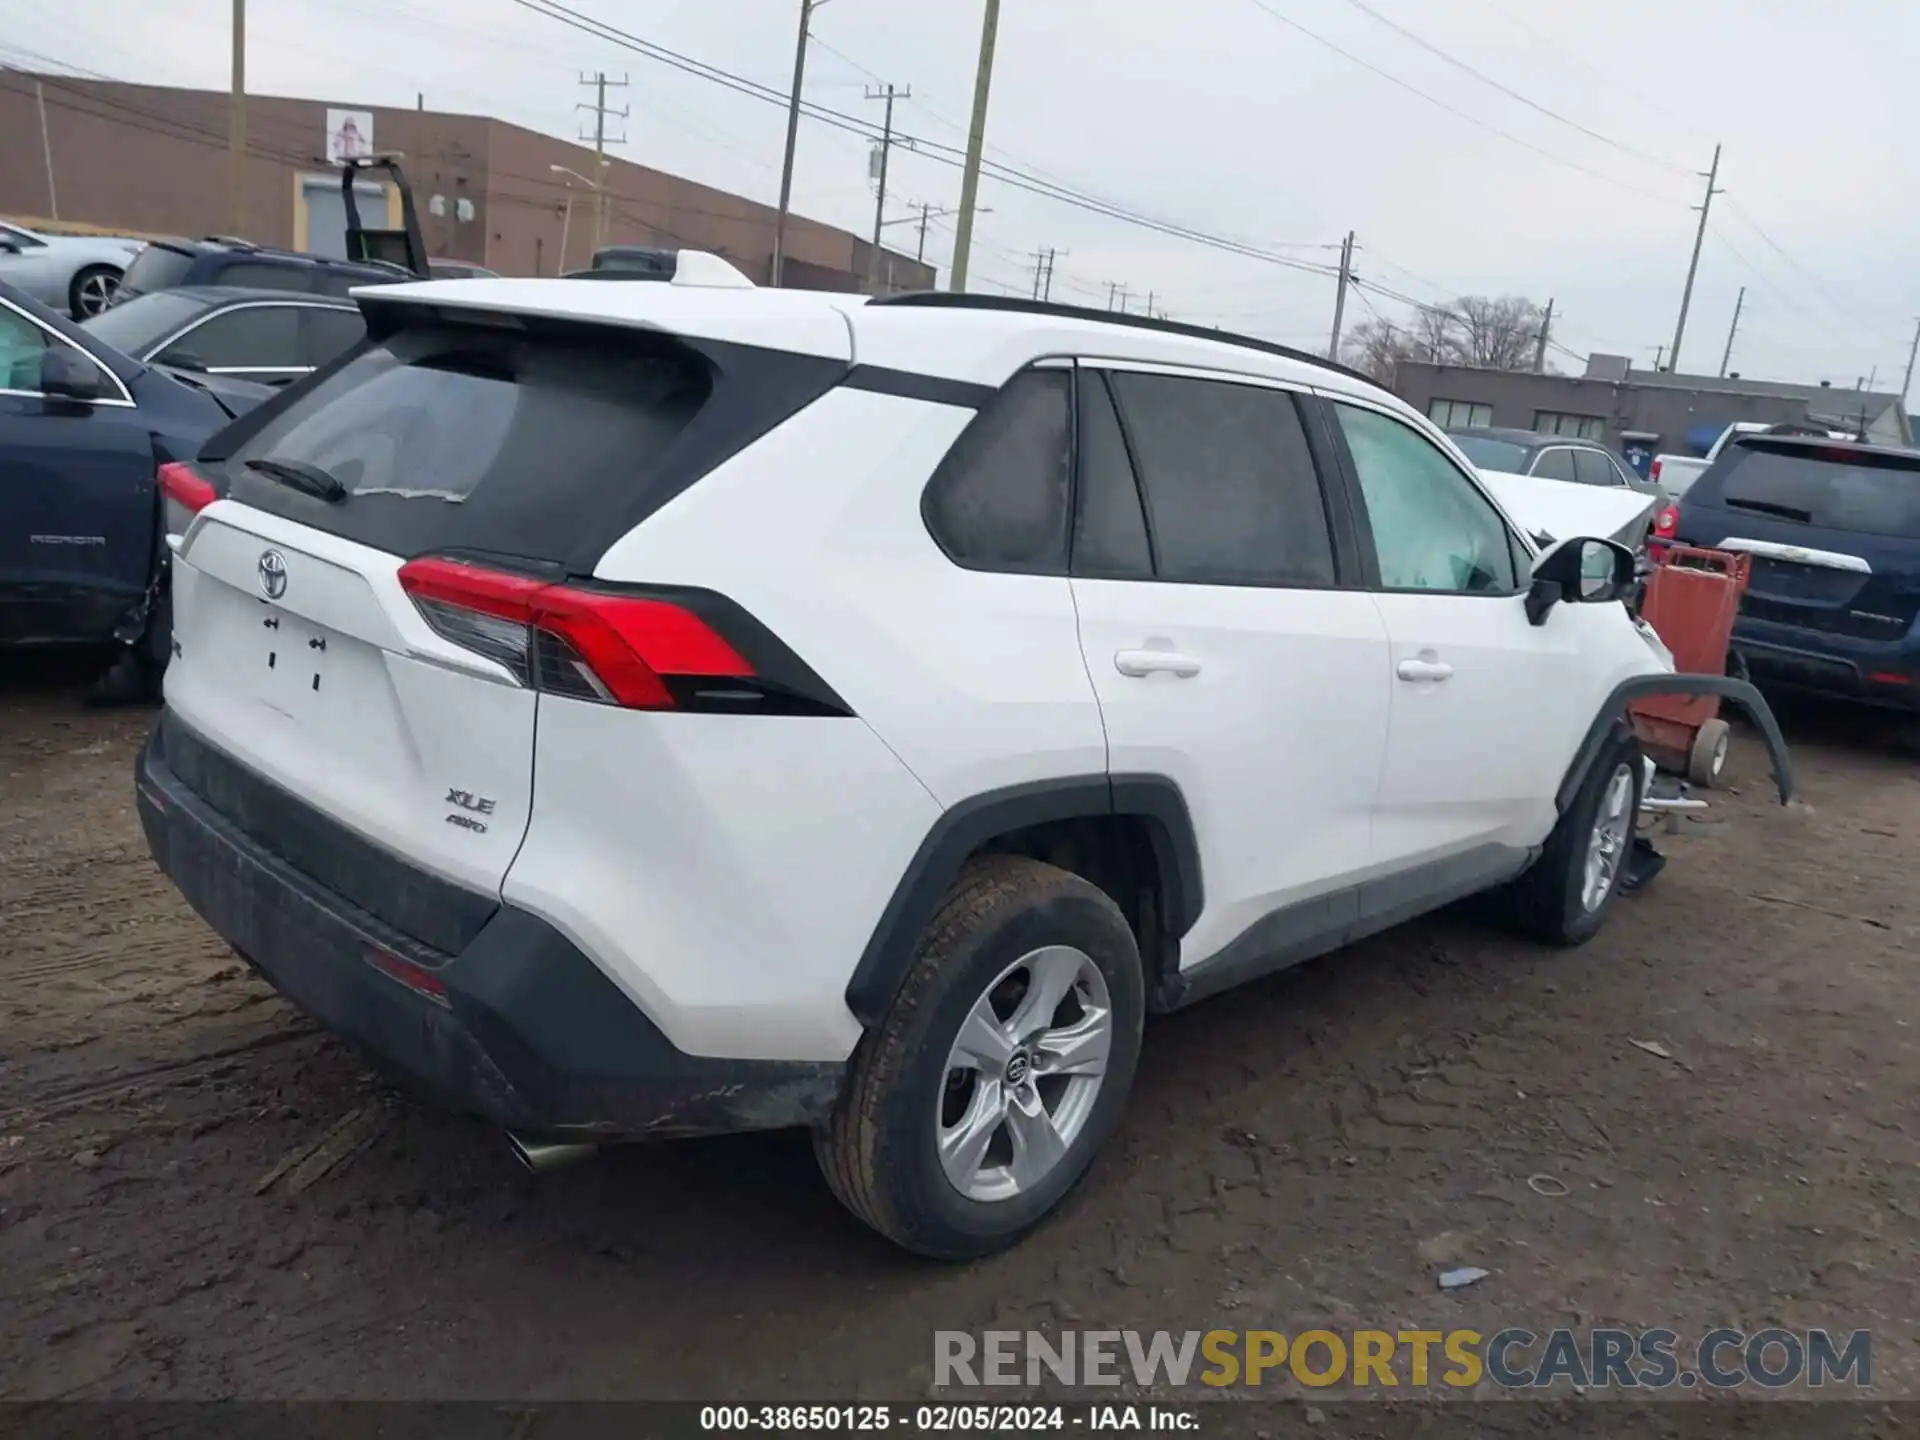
948 300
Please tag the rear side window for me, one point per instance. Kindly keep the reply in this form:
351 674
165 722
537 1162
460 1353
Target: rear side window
1875 496
998 501
258 337
341 283
330 334
155 268
452 439
1231 491
1590 467
1555 465
1109 529
256 275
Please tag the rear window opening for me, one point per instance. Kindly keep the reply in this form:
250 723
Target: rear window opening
1828 489
466 438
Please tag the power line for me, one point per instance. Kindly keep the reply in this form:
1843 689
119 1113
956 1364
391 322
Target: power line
1508 90
1609 78
948 155
1471 119
1772 244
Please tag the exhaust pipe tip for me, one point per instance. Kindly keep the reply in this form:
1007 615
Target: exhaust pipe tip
540 1156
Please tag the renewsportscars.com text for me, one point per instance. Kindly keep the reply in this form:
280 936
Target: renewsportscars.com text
1512 1358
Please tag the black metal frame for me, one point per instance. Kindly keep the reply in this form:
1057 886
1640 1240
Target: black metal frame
350 170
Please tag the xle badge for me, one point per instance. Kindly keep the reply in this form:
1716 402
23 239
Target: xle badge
476 804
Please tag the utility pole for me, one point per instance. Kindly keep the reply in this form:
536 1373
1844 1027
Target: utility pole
1039 271
1340 295
600 113
807 7
1150 295
1046 290
237 126
1693 265
1726 355
46 150
1907 384
926 214
1540 349
1658 352
976 142
880 204
1113 290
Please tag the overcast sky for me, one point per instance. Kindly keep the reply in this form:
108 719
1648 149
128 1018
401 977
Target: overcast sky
1216 116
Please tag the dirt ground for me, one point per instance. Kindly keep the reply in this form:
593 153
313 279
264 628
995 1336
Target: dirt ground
1308 1152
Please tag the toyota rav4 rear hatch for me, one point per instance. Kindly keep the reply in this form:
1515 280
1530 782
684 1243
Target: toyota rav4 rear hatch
390 572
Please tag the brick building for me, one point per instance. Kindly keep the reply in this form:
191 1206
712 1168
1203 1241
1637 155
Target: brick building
153 161
1641 412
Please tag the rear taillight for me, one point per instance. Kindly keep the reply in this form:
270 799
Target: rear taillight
1653 471
1667 522
639 652
185 487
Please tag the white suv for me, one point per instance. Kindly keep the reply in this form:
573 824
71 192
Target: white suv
647 710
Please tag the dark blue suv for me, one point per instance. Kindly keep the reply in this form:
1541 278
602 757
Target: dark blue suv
167 264
1834 531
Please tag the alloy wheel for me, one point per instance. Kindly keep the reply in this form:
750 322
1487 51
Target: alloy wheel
1023 1074
1607 846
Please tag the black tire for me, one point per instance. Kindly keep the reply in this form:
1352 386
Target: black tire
1546 902
878 1150
82 290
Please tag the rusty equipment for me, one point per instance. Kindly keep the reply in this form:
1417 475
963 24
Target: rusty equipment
1691 601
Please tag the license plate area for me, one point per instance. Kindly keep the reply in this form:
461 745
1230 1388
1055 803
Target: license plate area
289 665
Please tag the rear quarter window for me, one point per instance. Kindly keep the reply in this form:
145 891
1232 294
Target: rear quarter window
998 500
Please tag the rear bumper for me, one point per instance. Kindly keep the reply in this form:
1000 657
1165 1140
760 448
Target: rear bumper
1879 672
519 1027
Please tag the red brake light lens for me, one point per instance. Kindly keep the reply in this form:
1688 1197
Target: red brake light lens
1653 472
584 644
182 485
1666 522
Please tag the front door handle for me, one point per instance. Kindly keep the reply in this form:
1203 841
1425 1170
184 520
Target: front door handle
1425 670
1138 663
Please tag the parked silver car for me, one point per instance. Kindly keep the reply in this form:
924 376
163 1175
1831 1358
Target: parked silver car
75 274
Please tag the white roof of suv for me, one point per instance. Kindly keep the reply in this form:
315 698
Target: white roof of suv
978 340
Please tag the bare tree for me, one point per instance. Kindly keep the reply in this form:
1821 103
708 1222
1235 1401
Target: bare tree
1376 348
1475 330
1496 334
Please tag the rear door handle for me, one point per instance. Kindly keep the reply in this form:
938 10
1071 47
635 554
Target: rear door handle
1138 663
1425 670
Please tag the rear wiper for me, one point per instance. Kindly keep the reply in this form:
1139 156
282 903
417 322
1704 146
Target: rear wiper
1767 507
299 475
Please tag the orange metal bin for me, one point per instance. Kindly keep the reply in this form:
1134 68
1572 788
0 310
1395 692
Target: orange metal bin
1691 602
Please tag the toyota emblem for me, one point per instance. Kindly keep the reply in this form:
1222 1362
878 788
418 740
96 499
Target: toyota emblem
273 574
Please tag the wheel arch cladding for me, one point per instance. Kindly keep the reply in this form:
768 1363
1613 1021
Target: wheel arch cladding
975 824
1740 692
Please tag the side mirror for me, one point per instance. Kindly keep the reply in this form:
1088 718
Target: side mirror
66 374
1580 572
